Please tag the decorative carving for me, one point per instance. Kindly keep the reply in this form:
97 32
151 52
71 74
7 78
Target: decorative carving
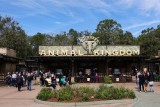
89 43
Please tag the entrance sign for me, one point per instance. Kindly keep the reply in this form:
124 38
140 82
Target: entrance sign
89 48
79 51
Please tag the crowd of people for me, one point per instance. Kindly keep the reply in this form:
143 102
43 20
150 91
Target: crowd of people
145 79
50 79
19 80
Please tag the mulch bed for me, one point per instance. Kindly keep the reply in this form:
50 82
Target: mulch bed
75 100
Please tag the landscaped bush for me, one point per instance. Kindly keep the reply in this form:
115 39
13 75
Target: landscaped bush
86 93
111 93
107 80
66 93
85 98
45 94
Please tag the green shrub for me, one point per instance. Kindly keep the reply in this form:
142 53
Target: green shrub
85 98
66 93
85 93
86 90
131 94
107 80
45 94
110 93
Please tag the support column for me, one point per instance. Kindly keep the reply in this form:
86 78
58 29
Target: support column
38 66
107 68
72 67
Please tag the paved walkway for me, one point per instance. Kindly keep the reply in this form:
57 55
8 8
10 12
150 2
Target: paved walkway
148 99
10 97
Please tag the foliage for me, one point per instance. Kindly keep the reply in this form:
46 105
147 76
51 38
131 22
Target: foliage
149 40
87 90
65 93
107 80
110 93
45 94
13 36
62 39
68 93
35 41
127 39
86 93
73 36
85 98
108 31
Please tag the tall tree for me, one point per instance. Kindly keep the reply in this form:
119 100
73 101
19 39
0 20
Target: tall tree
37 40
127 39
73 34
108 31
62 39
149 40
13 36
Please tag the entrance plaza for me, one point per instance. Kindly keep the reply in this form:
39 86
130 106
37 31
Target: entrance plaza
10 97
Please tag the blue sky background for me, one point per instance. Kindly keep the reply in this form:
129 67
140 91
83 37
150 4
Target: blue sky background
56 16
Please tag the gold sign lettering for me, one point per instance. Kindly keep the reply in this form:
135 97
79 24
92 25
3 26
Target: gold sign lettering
43 52
115 52
79 53
73 53
96 52
107 53
122 53
118 51
129 52
64 52
135 52
50 53
57 52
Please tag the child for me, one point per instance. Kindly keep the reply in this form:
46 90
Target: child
151 84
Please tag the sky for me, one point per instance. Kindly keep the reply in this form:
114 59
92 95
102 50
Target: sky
57 16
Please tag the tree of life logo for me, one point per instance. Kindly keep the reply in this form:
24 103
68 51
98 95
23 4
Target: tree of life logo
89 43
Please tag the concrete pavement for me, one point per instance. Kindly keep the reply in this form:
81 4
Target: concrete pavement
10 97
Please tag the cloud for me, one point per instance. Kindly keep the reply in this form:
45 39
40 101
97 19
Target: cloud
27 4
125 3
64 14
150 5
142 24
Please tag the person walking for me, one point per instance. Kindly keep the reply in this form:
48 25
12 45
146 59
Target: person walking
29 81
8 79
146 77
14 78
137 78
19 82
141 82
